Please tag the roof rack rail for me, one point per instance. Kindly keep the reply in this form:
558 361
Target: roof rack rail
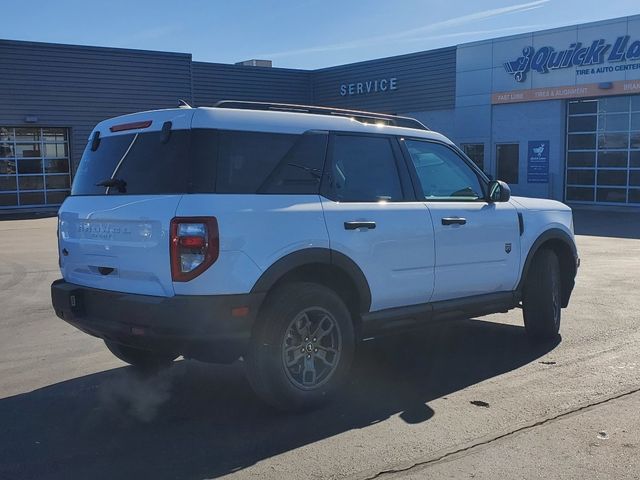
364 117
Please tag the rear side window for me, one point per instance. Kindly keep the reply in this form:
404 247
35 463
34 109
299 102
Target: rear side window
142 162
255 162
364 170
203 161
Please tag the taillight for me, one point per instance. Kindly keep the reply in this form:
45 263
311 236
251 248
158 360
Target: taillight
195 245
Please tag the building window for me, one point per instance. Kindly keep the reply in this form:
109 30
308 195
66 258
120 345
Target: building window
34 166
603 150
475 151
508 162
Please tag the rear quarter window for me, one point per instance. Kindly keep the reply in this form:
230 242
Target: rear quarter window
255 162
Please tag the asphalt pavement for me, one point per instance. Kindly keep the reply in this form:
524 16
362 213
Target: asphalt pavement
470 398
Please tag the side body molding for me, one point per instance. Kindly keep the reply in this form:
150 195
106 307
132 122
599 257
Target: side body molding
316 256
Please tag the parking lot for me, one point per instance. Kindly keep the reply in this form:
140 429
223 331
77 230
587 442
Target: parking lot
468 398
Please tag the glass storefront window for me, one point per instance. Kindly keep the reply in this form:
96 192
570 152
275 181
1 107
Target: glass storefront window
28 134
8 183
583 123
582 141
8 199
31 198
581 159
54 134
583 107
30 182
55 150
27 150
57 197
57 181
613 140
613 104
615 195
34 166
6 150
60 165
27 166
580 177
603 156
582 194
614 122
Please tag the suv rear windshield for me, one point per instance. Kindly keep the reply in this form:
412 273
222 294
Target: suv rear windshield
202 161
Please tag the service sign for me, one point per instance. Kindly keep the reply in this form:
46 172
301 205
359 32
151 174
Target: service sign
376 85
538 161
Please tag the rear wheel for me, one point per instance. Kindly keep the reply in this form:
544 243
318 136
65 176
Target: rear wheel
541 299
139 358
301 348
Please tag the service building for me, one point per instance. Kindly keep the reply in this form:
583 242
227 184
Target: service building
555 113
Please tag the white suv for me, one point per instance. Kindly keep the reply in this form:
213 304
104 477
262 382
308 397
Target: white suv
285 234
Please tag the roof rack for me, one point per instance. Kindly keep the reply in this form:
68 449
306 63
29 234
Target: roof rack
364 117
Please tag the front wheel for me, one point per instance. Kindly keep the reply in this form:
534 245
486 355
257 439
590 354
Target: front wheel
541 299
301 348
142 359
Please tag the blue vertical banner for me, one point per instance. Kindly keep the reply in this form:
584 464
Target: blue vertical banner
538 162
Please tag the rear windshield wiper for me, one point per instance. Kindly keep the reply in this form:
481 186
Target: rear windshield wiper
118 183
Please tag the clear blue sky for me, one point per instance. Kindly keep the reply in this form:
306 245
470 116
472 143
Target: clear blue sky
296 34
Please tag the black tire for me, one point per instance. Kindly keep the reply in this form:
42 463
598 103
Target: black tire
541 297
278 369
139 358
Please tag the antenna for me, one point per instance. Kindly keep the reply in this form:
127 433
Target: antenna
183 103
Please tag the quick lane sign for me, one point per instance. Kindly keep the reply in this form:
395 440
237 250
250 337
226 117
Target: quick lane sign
545 59
538 162
369 86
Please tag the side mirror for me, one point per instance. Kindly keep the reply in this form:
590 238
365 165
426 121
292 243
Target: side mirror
498 191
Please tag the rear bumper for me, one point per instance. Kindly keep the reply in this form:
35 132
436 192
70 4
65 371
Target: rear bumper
213 328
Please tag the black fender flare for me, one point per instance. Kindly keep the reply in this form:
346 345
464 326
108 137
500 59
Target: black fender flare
315 255
551 234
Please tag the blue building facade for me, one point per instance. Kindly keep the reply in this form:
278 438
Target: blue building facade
555 113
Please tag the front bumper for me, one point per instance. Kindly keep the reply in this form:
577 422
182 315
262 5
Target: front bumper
214 328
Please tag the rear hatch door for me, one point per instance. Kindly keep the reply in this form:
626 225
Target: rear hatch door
114 228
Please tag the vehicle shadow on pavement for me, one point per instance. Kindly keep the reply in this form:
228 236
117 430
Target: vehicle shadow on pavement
199 421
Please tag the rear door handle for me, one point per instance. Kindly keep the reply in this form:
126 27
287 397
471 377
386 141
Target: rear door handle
454 221
357 225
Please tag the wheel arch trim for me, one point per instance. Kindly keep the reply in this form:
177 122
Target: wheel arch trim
315 255
553 234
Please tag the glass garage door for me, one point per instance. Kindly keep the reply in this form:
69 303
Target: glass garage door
34 166
603 151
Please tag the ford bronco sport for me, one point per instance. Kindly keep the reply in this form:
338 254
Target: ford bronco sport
285 234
